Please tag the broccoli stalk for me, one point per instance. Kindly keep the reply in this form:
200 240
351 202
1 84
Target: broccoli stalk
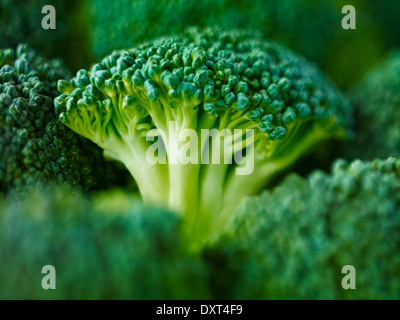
275 105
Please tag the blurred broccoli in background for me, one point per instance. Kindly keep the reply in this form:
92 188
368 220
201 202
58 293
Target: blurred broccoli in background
110 247
88 30
387 13
292 242
289 243
377 105
21 22
35 147
311 27
143 20
351 53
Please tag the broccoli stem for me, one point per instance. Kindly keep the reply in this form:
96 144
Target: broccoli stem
211 196
183 177
152 179
216 207
184 189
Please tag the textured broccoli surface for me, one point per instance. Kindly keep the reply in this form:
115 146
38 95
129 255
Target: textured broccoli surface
377 107
35 147
292 242
107 248
204 81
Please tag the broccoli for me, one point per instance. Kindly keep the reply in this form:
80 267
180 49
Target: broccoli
35 147
292 242
203 80
377 112
109 247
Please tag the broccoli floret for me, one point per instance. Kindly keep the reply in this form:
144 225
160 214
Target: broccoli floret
35 147
107 248
377 113
292 242
203 81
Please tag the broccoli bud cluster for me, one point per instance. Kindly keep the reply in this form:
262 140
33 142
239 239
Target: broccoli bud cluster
204 80
293 242
35 147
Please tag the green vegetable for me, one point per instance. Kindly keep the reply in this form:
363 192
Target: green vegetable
35 147
292 242
288 243
204 80
110 247
377 104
